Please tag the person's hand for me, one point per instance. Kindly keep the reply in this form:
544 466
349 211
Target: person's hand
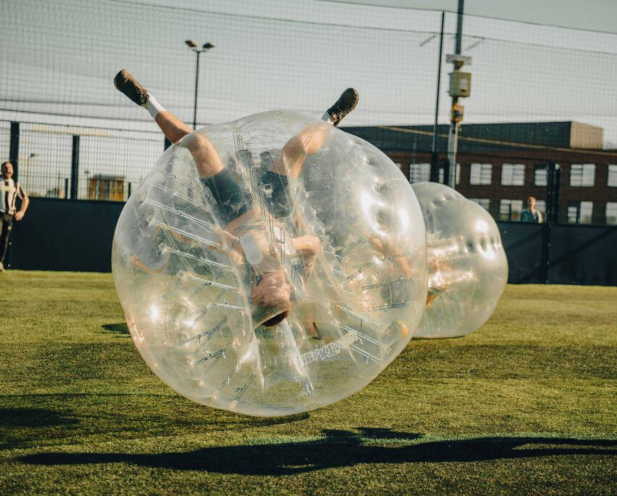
227 237
19 215
235 253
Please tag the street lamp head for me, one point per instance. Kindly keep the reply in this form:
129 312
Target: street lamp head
191 43
208 46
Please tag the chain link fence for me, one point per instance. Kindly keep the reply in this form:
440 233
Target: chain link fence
540 95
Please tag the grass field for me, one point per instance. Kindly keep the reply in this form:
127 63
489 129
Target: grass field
525 405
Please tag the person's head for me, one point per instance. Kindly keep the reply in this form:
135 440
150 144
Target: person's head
531 203
272 296
7 170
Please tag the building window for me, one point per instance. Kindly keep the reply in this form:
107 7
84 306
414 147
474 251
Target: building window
611 213
419 172
512 174
483 202
510 209
612 176
481 174
442 174
580 212
102 187
540 176
541 207
582 175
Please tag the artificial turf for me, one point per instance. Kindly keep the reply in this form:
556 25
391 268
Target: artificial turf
524 405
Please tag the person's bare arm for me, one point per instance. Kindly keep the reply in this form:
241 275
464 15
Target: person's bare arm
25 201
392 253
236 254
307 247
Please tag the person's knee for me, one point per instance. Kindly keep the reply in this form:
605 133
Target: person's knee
195 142
314 137
205 155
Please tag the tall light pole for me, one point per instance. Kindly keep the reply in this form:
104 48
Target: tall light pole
204 48
460 86
434 177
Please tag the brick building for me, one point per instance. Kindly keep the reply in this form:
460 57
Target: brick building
501 165
106 187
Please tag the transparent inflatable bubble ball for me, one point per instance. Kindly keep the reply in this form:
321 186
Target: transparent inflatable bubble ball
287 282
467 265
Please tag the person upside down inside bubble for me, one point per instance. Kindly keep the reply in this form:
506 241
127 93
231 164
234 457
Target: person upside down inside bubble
277 264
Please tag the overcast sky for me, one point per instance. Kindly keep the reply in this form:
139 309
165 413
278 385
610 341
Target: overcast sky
299 54
593 15
59 57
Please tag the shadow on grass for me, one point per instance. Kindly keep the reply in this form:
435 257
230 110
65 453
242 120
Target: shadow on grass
33 417
340 449
15 421
120 329
23 426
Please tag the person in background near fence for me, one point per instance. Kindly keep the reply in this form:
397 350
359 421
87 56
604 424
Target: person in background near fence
9 192
530 214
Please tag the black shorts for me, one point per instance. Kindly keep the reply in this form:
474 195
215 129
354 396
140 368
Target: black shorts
230 199
275 189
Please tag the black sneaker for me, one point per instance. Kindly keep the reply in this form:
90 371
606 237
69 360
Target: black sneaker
127 84
345 104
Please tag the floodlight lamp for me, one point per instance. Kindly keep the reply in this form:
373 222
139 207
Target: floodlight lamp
208 46
191 43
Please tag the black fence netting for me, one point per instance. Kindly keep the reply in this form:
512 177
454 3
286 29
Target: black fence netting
541 96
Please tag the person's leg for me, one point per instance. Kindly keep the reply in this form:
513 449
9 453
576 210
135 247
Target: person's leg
232 202
293 155
230 198
291 159
207 160
345 104
5 233
173 128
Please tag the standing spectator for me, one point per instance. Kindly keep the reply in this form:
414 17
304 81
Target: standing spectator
9 192
530 214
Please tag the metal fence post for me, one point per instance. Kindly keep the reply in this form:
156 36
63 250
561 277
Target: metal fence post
546 252
75 168
446 172
14 149
553 188
434 175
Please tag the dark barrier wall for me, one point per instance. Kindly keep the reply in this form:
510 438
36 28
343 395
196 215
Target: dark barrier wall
523 245
65 235
77 236
577 254
587 255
